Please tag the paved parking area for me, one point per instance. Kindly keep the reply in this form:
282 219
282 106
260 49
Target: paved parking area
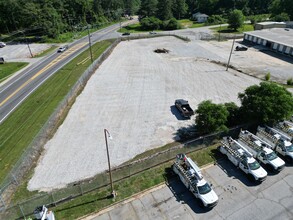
238 199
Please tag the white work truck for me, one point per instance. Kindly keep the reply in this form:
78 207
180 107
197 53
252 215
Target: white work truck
190 175
261 151
242 158
285 127
279 142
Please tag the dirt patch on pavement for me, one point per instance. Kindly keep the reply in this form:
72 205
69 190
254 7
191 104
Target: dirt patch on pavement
132 95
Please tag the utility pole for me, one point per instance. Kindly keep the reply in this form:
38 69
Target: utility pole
90 44
27 44
230 53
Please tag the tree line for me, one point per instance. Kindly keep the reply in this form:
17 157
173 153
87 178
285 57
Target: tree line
53 17
267 103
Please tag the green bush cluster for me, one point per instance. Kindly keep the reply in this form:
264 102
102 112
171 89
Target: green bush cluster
153 23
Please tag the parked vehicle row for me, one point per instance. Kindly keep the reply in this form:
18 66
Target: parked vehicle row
250 152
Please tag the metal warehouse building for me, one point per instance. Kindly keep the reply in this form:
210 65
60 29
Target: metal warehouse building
276 39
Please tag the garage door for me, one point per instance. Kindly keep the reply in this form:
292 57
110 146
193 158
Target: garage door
287 50
275 46
281 48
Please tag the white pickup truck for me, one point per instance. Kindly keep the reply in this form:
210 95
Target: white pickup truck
243 159
261 151
190 175
279 142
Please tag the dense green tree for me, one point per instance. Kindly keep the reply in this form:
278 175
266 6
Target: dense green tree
148 8
171 24
282 6
211 117
150 23
266 103
131 6
234 117
236 19
179 8
216 19
164 11
281 17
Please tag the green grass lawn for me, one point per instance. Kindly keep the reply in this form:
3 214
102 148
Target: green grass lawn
46 52
225 29
186 23
132 28
97 200
7 69
20 128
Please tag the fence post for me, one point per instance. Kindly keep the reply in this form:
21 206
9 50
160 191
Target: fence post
21 211
53 199
80 187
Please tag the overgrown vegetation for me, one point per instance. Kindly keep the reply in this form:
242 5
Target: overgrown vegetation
268 76
290 81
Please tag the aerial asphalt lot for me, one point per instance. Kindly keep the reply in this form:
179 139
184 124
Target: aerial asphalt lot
238 198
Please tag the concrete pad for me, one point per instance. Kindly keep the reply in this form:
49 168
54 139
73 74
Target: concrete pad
132 95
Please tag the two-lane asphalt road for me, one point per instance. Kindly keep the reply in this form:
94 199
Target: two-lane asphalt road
13 93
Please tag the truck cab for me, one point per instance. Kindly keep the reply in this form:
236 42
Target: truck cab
205 194
251 167
285 148
269 157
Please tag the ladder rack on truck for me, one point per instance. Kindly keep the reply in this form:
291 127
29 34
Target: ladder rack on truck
268 133
252 140
278 141
233 146
242 159
261 151
286 127
190 175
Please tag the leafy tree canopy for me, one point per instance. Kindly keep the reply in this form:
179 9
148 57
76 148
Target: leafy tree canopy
266 103
211 117
236 19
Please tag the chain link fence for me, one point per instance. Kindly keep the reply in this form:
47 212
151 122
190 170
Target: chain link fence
8 210
56 197
33 151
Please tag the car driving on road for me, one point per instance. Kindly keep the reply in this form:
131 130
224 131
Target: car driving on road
62 49
2 44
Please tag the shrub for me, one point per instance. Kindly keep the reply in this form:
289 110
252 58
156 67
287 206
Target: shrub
216 19
171 24
290 81
150 23
268 76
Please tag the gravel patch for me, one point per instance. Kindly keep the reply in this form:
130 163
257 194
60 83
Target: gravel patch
132 95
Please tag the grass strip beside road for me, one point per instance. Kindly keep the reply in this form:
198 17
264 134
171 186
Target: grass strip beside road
22 126
7 69
99 199
46 52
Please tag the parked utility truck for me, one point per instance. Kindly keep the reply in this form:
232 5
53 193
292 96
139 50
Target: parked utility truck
261 151
242 158
42 213
191 176
279 142
285 127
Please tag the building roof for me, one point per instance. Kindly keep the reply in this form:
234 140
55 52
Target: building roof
279 35
270 22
